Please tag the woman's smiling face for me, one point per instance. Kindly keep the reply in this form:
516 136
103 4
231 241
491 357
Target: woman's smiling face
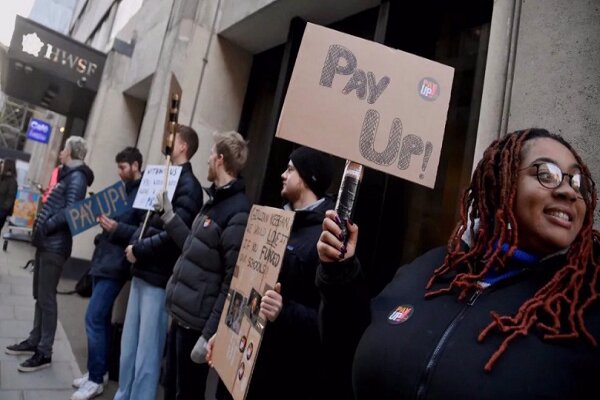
548 219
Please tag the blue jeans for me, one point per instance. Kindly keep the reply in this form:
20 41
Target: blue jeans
97 325
142 342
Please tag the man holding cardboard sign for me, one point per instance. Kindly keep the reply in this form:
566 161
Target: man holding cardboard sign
288 364
197 290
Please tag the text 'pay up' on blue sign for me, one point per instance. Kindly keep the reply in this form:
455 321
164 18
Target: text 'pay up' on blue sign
111 202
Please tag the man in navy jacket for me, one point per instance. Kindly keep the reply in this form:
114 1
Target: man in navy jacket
53 240
110 270
288 366
153 257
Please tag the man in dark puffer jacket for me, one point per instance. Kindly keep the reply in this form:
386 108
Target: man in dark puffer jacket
288 365
52 238
153 258
109 270
198 288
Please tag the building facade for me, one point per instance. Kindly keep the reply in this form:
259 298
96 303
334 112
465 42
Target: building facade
54 14
518 63
49 82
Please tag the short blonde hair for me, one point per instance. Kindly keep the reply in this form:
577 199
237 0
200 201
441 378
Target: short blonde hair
234 149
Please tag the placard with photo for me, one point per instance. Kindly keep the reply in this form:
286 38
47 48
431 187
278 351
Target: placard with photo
238 338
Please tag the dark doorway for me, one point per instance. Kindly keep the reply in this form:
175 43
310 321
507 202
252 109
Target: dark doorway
399 220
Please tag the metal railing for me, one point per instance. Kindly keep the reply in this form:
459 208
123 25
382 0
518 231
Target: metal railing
13 118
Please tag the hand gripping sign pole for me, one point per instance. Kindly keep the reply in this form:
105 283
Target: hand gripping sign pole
169 136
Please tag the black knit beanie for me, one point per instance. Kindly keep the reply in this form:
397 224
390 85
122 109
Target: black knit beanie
314 167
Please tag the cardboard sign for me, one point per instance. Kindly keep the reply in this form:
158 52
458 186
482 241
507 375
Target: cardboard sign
241 327
111 202
174 88
153 183
365 102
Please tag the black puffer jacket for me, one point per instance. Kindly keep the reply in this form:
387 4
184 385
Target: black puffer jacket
156 252
109 259
288 363
198 288
402 345
51 230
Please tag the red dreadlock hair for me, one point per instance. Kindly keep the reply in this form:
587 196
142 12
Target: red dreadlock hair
490 199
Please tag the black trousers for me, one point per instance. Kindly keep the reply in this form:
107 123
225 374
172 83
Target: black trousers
184 379
3 217
46 274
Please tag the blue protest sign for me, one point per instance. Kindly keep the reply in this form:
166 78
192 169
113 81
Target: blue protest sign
39 130
111 202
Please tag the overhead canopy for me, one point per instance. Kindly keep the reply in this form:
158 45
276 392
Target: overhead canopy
49 69
14 154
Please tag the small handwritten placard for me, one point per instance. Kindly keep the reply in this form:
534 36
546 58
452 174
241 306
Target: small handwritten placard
153 183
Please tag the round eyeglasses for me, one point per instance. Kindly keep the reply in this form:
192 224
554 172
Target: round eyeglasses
550 176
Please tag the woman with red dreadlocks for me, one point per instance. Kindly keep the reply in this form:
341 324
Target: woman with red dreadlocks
508 310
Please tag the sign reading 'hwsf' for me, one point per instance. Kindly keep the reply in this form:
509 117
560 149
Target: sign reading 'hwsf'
365 102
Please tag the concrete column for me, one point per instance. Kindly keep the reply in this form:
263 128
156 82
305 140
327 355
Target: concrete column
557 79
213 74
499 69
542 71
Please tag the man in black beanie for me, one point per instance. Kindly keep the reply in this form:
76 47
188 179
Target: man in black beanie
288 364
315 169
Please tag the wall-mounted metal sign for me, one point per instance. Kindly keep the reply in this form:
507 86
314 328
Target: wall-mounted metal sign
39 130
51 70
41 47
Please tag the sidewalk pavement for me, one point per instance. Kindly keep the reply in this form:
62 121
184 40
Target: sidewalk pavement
69 352
16 320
